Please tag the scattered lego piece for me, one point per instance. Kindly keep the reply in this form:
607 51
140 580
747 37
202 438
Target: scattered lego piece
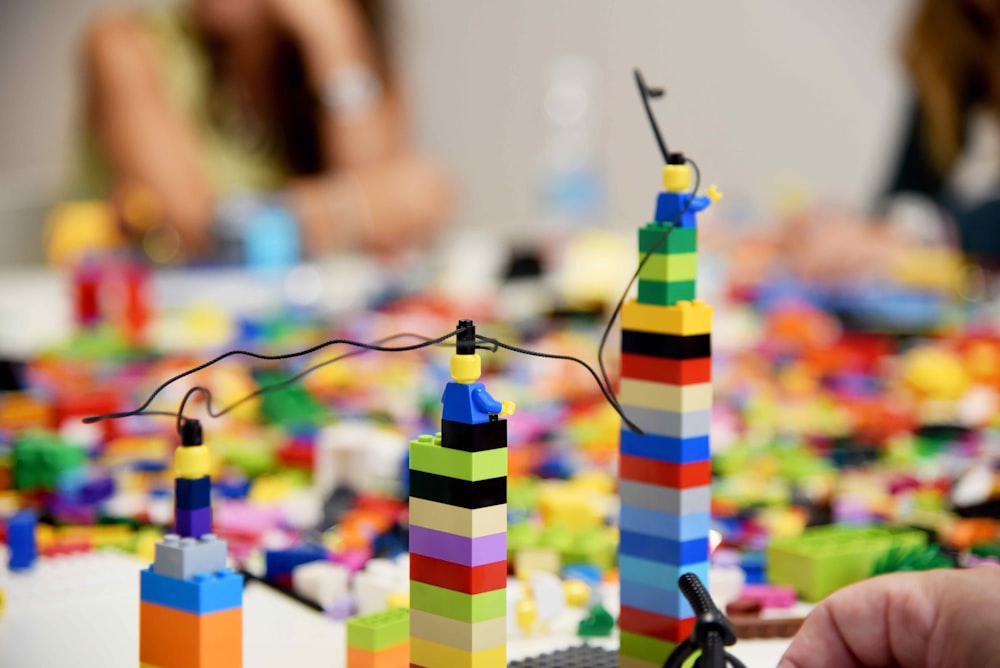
597 624
21 541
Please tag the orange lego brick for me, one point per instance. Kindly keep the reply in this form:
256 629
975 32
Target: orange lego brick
397 656
171 638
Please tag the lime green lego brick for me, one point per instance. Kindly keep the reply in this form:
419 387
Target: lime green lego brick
680 239
824 559
380 630
469 608
427 455
645 648
676 267
660 293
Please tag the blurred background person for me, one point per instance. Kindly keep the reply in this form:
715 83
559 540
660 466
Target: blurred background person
205 100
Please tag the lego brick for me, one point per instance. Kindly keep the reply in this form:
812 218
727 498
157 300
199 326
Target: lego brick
632 662
170 638
201 594
663 550
665 448
380 630
461 493
674 267
474 437
665 499
470 608
193 523
670 423
580 656
468 522
545 559
644 648
660 572
431 457
458 549
460 635
397 656
664 525
666 346
652 625
183 558
665 474
662 293
644 596
664 396
679 240
193 494
456 577
824 559
21 541
681 319
435 655
282 562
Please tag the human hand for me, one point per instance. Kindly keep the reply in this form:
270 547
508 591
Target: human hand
934 618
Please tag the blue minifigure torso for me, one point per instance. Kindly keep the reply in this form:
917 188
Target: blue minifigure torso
669 205
468 403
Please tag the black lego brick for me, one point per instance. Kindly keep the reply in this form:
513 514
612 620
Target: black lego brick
666 346
461 493
474 437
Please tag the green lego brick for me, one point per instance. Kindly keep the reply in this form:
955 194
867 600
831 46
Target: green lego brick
824 559
469 608
680 239
427 455
380 630
645 648
675 267
660 293
41 458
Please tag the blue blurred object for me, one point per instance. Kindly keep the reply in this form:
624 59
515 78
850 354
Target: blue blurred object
271 239
21 540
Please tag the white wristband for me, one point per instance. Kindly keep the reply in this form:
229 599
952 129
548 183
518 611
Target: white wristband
352 91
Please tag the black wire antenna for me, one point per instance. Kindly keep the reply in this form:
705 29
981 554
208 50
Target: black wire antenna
648 94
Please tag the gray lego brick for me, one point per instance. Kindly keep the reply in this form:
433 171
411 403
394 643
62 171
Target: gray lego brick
665 499
669 423
584 656
184 558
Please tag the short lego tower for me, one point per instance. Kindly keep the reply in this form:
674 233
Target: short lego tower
458 525
191 608
666 391
379 640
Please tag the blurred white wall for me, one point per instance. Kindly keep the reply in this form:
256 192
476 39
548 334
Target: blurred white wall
767 95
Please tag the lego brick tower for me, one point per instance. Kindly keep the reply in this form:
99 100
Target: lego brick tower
191 607
666 391
458 526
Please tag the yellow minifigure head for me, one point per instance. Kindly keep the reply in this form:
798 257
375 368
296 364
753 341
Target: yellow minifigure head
677 178
466 368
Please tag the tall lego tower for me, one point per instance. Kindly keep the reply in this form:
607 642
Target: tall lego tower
458 525
666 391
191 607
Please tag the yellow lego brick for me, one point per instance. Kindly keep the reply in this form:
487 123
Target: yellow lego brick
685 318
470 523
664 397
669 267
476 637
435 655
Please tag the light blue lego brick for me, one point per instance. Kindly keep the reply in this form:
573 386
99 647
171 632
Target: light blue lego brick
183 558
670 423
663 550
659 574
666 448
661 600
201 594
665 499
664 525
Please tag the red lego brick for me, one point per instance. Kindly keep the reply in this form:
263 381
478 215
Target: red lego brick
654 625
662 370
466 579
666 474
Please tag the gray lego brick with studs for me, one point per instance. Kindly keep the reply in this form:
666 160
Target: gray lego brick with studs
184 558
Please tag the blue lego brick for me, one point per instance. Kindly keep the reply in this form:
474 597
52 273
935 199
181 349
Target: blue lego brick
664 525
665 448
659 574
202 594
21 540
663 550
193 522
754 565
282 562
663 601
193 494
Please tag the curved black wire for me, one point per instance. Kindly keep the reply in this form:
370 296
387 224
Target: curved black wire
606 391
662 239
140 410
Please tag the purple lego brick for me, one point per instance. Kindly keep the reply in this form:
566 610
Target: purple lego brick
458 549
193 523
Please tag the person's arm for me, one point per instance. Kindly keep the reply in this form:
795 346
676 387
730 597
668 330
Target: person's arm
914 172
147 142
